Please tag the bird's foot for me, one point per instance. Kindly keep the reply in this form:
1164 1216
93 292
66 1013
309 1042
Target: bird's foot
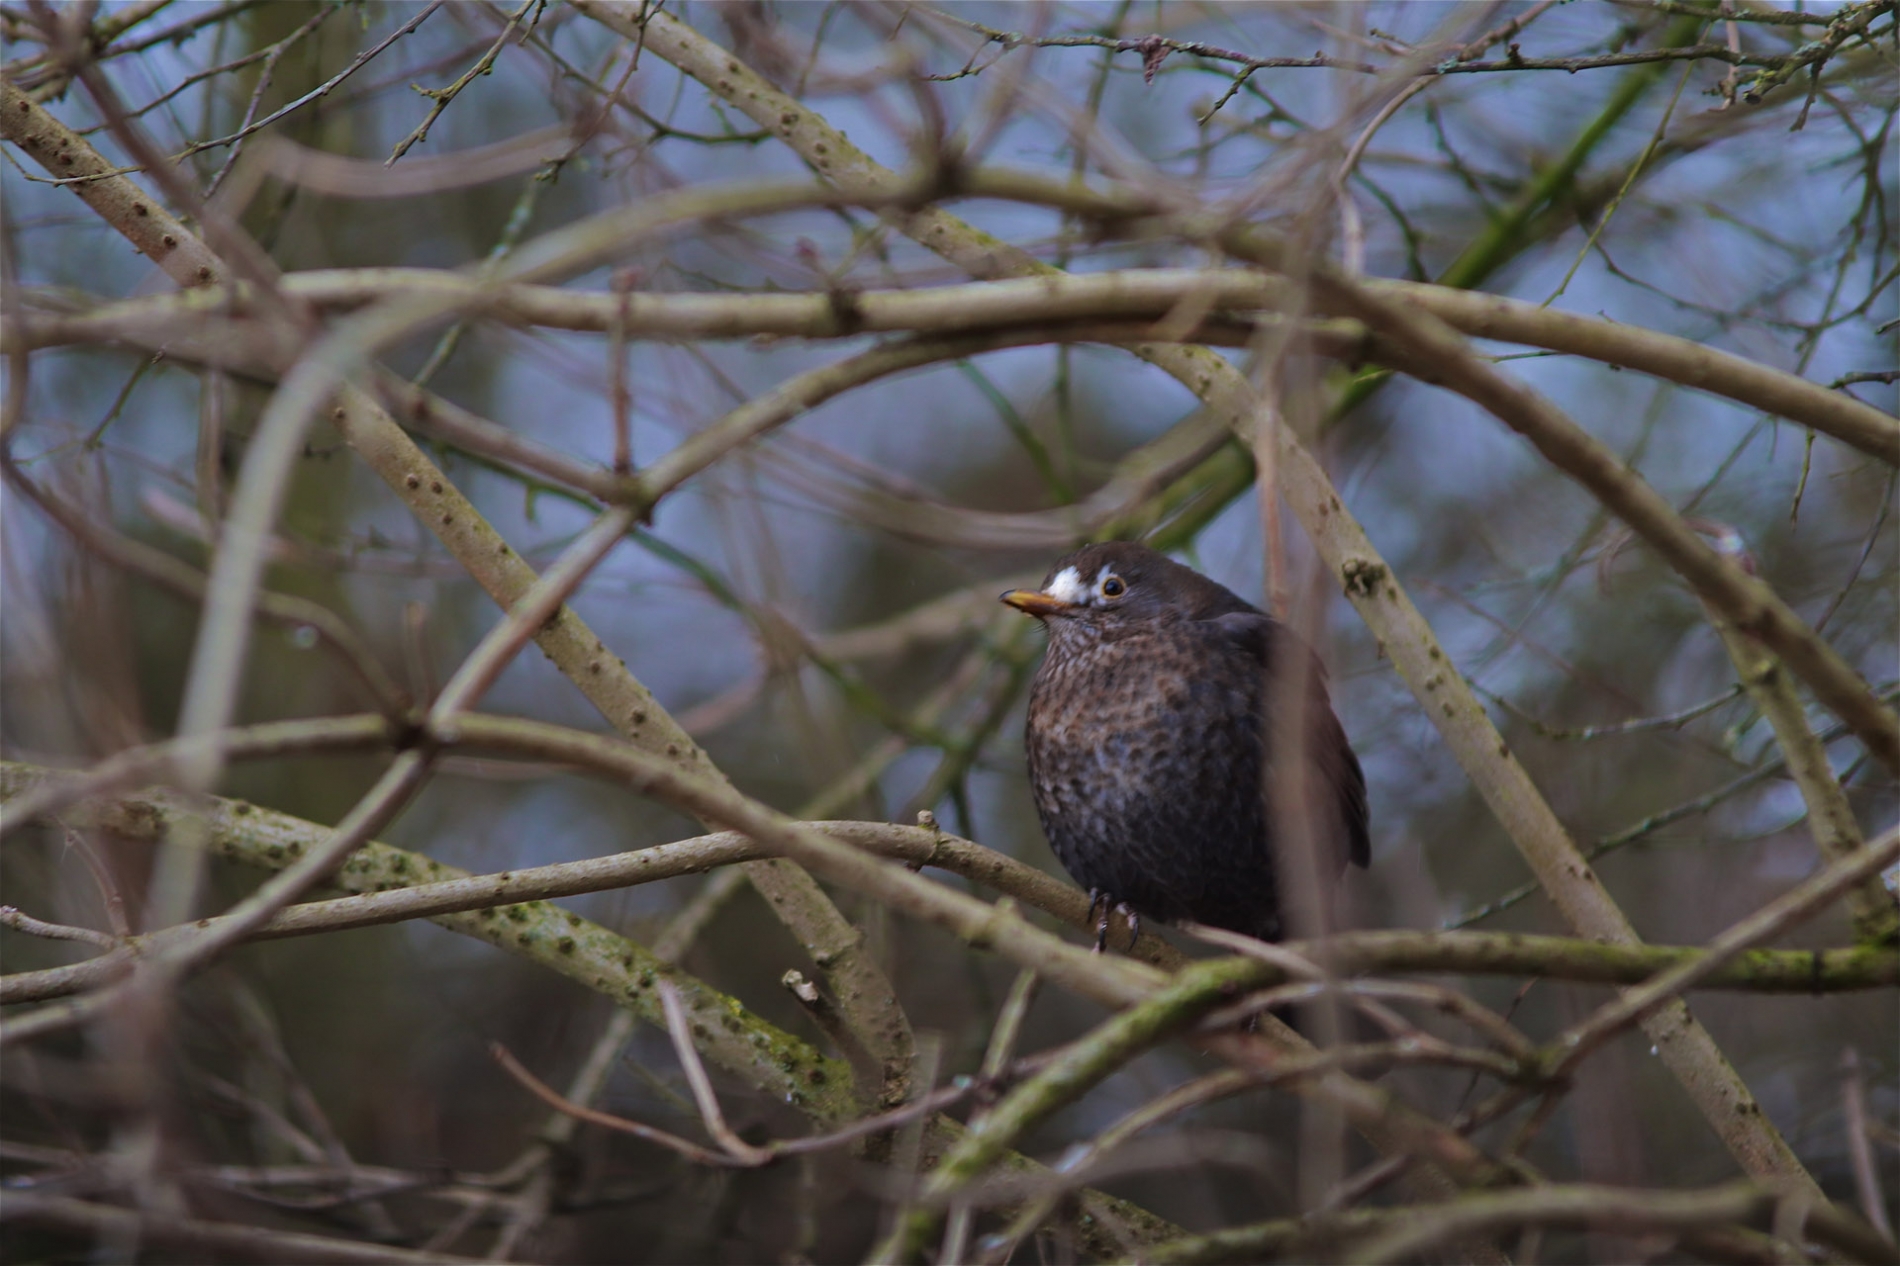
1109 907
1099 900
1134 923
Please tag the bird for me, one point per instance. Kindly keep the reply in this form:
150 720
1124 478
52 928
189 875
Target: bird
1148 741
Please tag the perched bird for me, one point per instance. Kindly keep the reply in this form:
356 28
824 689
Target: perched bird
1148 741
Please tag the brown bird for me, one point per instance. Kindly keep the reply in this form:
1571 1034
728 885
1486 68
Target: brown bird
1148 741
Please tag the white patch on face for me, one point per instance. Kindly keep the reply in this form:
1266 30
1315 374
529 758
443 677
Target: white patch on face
1068 587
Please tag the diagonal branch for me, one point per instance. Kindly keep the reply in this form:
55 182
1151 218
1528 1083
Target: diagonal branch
1439 355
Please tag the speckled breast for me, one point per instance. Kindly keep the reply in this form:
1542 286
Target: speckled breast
1145 763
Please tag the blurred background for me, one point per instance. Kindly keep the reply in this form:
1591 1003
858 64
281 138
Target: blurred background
761 604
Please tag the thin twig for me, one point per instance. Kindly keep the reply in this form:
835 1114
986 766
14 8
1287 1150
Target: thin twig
439 98
715 1120
20 921
1860 1153
926 1105
323 89
593 1116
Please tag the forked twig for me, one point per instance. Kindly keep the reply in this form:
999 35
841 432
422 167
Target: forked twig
737 1148
925 1105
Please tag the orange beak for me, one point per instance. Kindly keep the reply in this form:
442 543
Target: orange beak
1037 603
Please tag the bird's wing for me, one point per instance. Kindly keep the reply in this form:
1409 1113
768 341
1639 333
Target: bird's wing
1272 644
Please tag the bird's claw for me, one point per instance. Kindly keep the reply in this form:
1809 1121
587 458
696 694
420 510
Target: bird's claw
1134 923
1099 900
1106 903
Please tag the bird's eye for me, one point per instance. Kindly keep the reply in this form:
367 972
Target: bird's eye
1112 587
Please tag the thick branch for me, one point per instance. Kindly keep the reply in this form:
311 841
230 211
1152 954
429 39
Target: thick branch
153 230
203 325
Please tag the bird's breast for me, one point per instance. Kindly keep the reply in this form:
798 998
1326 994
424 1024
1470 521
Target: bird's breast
1119 712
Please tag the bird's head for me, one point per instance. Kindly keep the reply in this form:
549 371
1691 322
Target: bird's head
1118 585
